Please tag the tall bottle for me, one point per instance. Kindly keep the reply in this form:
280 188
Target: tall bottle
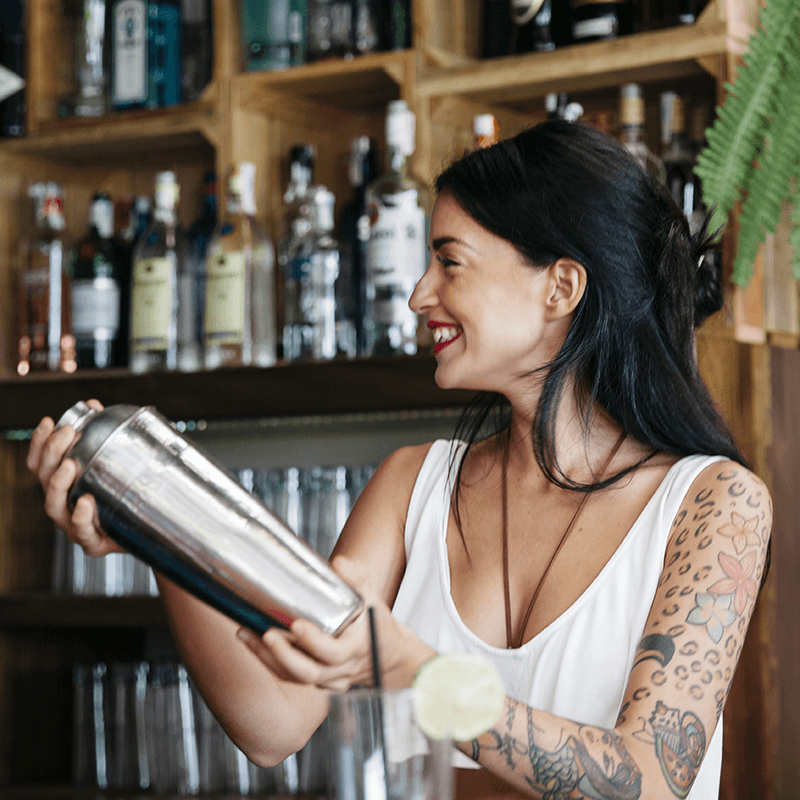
196 48
330 30
12 57
353 243
240 327
600 19
45 340
396 251
296 219
632 130
679 160
309 331
273 34
146 67
163 291
96 298
532 26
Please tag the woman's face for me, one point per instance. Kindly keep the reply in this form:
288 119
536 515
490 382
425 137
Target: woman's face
486 305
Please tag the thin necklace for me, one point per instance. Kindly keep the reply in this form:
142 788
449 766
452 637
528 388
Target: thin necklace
506 590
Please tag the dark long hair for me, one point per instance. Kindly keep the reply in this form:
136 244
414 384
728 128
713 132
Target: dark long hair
563 189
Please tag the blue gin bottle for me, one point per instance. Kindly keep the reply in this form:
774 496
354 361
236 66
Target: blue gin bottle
163 54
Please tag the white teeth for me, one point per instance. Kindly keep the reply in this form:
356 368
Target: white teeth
445 333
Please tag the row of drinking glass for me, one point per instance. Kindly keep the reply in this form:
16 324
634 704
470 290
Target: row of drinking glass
144 726
314 501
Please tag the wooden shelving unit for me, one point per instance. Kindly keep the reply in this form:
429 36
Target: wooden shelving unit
259 116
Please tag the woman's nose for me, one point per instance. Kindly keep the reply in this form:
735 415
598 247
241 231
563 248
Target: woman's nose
424 296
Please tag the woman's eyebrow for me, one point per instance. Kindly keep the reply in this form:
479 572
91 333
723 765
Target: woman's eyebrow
441 241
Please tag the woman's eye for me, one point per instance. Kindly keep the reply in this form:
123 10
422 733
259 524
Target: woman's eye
447 262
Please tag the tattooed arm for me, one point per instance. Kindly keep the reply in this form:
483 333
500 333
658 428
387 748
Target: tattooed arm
681 673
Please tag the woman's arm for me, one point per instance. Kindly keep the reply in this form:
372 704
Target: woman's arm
267 712
683 668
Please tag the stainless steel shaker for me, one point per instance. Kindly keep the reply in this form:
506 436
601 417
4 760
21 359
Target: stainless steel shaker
166 501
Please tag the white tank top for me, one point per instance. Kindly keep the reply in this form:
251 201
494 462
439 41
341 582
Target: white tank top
578 666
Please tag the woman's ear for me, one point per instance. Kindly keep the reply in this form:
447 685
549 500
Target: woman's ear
567 285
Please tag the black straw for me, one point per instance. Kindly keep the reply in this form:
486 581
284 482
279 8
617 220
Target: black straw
377 681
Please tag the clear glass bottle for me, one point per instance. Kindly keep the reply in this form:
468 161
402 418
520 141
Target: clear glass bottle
353 243
239 323
398 208
90 98
330 29
366 27
309 331
273 34
96 297
163 291
45 340
632 130
296 220
129 79
197 45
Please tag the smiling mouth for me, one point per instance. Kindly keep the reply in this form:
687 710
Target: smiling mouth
444 335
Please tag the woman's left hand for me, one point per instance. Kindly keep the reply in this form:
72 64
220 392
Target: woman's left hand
305 654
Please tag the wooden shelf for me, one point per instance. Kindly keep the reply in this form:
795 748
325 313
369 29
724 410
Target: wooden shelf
141 134
669 54
45 610
363 385
357 84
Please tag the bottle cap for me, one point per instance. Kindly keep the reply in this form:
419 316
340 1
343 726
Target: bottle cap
324 200
167 192
484 125
400 127
242 184
101 214
359 150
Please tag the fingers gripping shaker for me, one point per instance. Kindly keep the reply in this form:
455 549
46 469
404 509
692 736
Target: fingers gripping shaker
164 500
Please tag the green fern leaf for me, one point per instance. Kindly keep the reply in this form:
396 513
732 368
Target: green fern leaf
769 185
794 236
724 165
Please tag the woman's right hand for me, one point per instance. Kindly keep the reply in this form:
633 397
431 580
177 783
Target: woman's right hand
57 474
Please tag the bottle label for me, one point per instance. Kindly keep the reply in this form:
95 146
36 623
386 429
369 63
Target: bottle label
95 306
151 303
130 52
601 27
396 248
225 298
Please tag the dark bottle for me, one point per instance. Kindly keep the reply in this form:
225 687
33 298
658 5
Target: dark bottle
96 301
354 238
196 48
497 28
593 20
532 31
654 14
201 229
12 57
396 24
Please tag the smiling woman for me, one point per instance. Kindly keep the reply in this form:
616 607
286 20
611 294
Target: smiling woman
592 528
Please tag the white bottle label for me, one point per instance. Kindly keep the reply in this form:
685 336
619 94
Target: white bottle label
95 306
225 298
151 303
130 52
588 28
396 248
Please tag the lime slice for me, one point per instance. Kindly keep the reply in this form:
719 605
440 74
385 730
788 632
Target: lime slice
457 695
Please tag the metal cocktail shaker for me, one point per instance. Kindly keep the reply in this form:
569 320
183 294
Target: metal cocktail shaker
164 500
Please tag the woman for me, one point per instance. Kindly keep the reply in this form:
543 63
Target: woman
593 529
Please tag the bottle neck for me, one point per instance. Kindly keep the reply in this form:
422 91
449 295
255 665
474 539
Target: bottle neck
398 160
165 214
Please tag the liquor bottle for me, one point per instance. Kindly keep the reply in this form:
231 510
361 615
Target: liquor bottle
655 14
163 53
12 68
366 27
532 31
330 30
273 34
558 106
396 251
163 292
396 25
484 131
353 241
129 78
296 220
196 48
96 295
600 19
679 162
202 228
240 282
309 331
497 28
45 340
92 43
632 130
